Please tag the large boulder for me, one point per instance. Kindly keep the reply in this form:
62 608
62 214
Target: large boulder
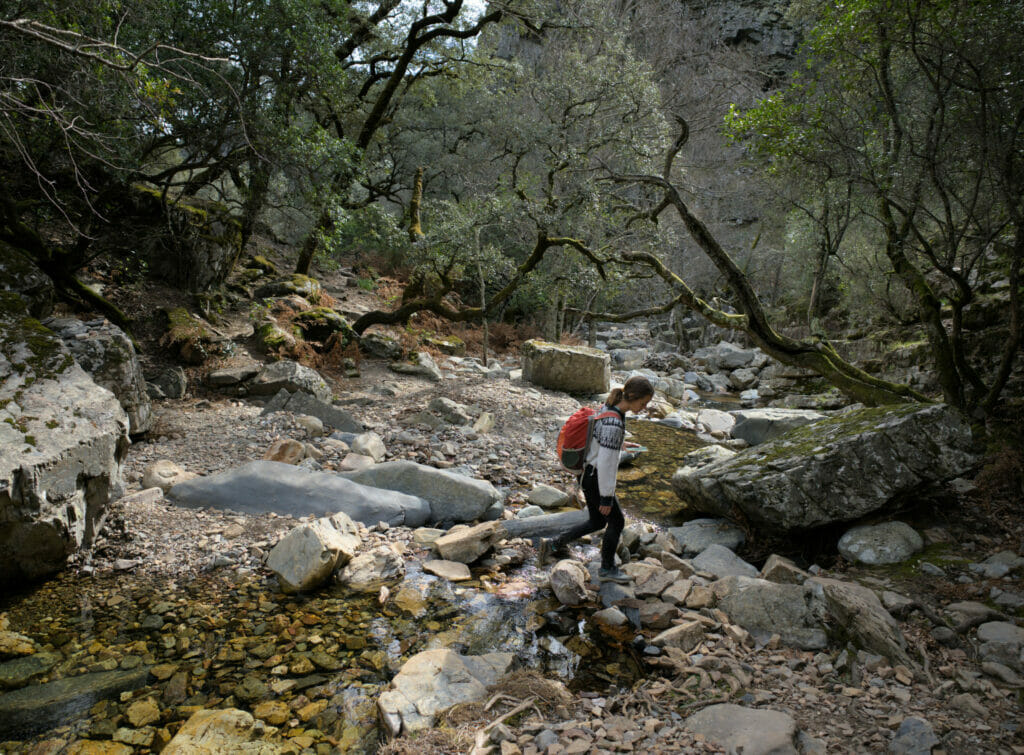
291 376
434 681
104 351
62 441
453 497
574 369
836 469
764 608
759 425
306 556
262 486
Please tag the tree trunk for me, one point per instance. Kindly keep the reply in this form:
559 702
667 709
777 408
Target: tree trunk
415 228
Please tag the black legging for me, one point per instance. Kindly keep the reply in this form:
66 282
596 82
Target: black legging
614 521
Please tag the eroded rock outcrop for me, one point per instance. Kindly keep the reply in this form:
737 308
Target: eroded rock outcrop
62 441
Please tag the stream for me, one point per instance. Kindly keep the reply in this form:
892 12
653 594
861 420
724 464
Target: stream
229 637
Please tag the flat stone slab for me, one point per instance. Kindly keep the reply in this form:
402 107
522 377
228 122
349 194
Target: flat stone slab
434 681
270 486
752 731
39 707
453 571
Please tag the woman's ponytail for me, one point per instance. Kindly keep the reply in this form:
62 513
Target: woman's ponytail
614 397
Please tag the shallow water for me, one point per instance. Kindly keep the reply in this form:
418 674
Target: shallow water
223 628
645 486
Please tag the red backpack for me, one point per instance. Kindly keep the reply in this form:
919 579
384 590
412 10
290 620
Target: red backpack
574 437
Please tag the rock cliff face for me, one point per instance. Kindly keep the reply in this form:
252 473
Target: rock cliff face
62 441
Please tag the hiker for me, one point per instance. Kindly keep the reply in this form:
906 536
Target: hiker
599 474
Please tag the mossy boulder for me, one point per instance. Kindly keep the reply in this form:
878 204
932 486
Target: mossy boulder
186 335
262 264
834 470
451 345
19 275
301 285
320 323
62 442
273 339
189 242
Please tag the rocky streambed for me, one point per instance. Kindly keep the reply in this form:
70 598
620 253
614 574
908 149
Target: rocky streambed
172 627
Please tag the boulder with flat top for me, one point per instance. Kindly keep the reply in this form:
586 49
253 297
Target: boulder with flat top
573 369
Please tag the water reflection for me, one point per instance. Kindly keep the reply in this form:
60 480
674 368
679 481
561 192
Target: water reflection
645 487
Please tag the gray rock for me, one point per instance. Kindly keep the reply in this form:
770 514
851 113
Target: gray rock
62 442
105 352
760 425
685 636
301 402
569 582
381 346
466 544
368 571
172 382
716 421
307 555
450 411
369 444
764 608
914 737
233 375
262 486
859 612
752 731
528 511
292 377
433 681
833 470
780 569
742 379
722 562
40 707
453 571
548 497
574 369
453 497
886 543
422 365
696 535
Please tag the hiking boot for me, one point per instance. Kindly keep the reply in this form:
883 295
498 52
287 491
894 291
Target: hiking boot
614 574
543 552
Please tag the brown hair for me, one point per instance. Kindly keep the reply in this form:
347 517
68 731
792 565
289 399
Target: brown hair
636 387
